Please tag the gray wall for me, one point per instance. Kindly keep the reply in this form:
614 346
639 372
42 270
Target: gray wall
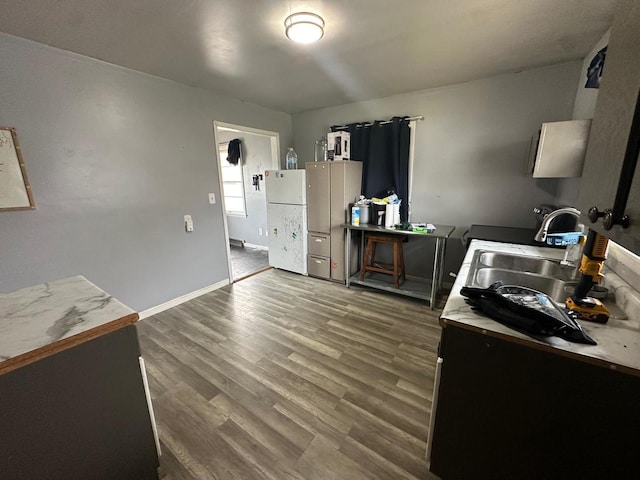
584 107
115 159
256 158
471 148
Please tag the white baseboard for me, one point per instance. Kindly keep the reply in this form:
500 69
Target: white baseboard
184 298
259 247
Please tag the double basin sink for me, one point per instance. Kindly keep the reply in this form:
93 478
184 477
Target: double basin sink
542 274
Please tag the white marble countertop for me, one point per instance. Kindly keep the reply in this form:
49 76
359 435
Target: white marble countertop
618 340
41 320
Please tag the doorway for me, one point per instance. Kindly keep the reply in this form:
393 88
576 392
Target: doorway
242 192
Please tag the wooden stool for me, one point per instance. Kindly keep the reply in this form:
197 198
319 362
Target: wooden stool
369 263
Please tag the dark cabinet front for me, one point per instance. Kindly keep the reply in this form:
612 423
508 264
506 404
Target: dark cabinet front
79 414
510 411
612 138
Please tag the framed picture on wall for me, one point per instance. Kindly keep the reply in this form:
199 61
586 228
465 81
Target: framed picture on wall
15 192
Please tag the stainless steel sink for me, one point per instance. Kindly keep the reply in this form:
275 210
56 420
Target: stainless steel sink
521 263
559 290
545 275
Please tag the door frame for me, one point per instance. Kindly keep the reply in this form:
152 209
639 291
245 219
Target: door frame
275 164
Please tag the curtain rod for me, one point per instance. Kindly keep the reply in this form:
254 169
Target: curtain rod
410 119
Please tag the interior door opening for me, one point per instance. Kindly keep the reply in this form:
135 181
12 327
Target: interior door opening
242 194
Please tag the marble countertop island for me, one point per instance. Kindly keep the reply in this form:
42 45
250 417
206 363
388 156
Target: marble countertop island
39 321
618 340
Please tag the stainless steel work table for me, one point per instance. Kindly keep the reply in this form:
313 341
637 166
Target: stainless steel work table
417 287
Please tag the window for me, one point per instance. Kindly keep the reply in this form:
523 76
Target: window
232 185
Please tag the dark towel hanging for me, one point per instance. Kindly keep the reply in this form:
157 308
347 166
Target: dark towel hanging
233 151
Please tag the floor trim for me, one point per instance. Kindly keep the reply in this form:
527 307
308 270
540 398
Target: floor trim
253 273
184 298
258 247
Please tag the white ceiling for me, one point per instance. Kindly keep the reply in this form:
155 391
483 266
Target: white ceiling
371 48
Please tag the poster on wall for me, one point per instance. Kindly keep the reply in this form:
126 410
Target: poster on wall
594 72
15 192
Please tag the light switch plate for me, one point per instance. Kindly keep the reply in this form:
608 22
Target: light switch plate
188 223
212 198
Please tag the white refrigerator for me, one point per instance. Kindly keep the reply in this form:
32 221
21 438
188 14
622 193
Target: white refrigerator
287 219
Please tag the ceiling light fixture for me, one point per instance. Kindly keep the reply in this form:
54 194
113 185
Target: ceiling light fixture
304 27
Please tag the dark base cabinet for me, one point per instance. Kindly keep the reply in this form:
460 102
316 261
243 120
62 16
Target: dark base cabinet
510 411
78 414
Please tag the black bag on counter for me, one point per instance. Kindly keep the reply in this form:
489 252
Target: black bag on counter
526 310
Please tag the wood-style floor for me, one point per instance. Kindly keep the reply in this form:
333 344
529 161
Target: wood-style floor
284 377
247 260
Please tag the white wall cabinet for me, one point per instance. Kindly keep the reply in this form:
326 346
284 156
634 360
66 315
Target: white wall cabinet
559 149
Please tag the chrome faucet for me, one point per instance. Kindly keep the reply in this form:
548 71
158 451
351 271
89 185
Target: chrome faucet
541 236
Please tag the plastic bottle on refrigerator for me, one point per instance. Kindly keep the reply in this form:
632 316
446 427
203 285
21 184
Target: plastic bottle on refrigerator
292 159
320 154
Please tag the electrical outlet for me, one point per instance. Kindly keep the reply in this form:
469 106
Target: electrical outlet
260 231
188 223
212 198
